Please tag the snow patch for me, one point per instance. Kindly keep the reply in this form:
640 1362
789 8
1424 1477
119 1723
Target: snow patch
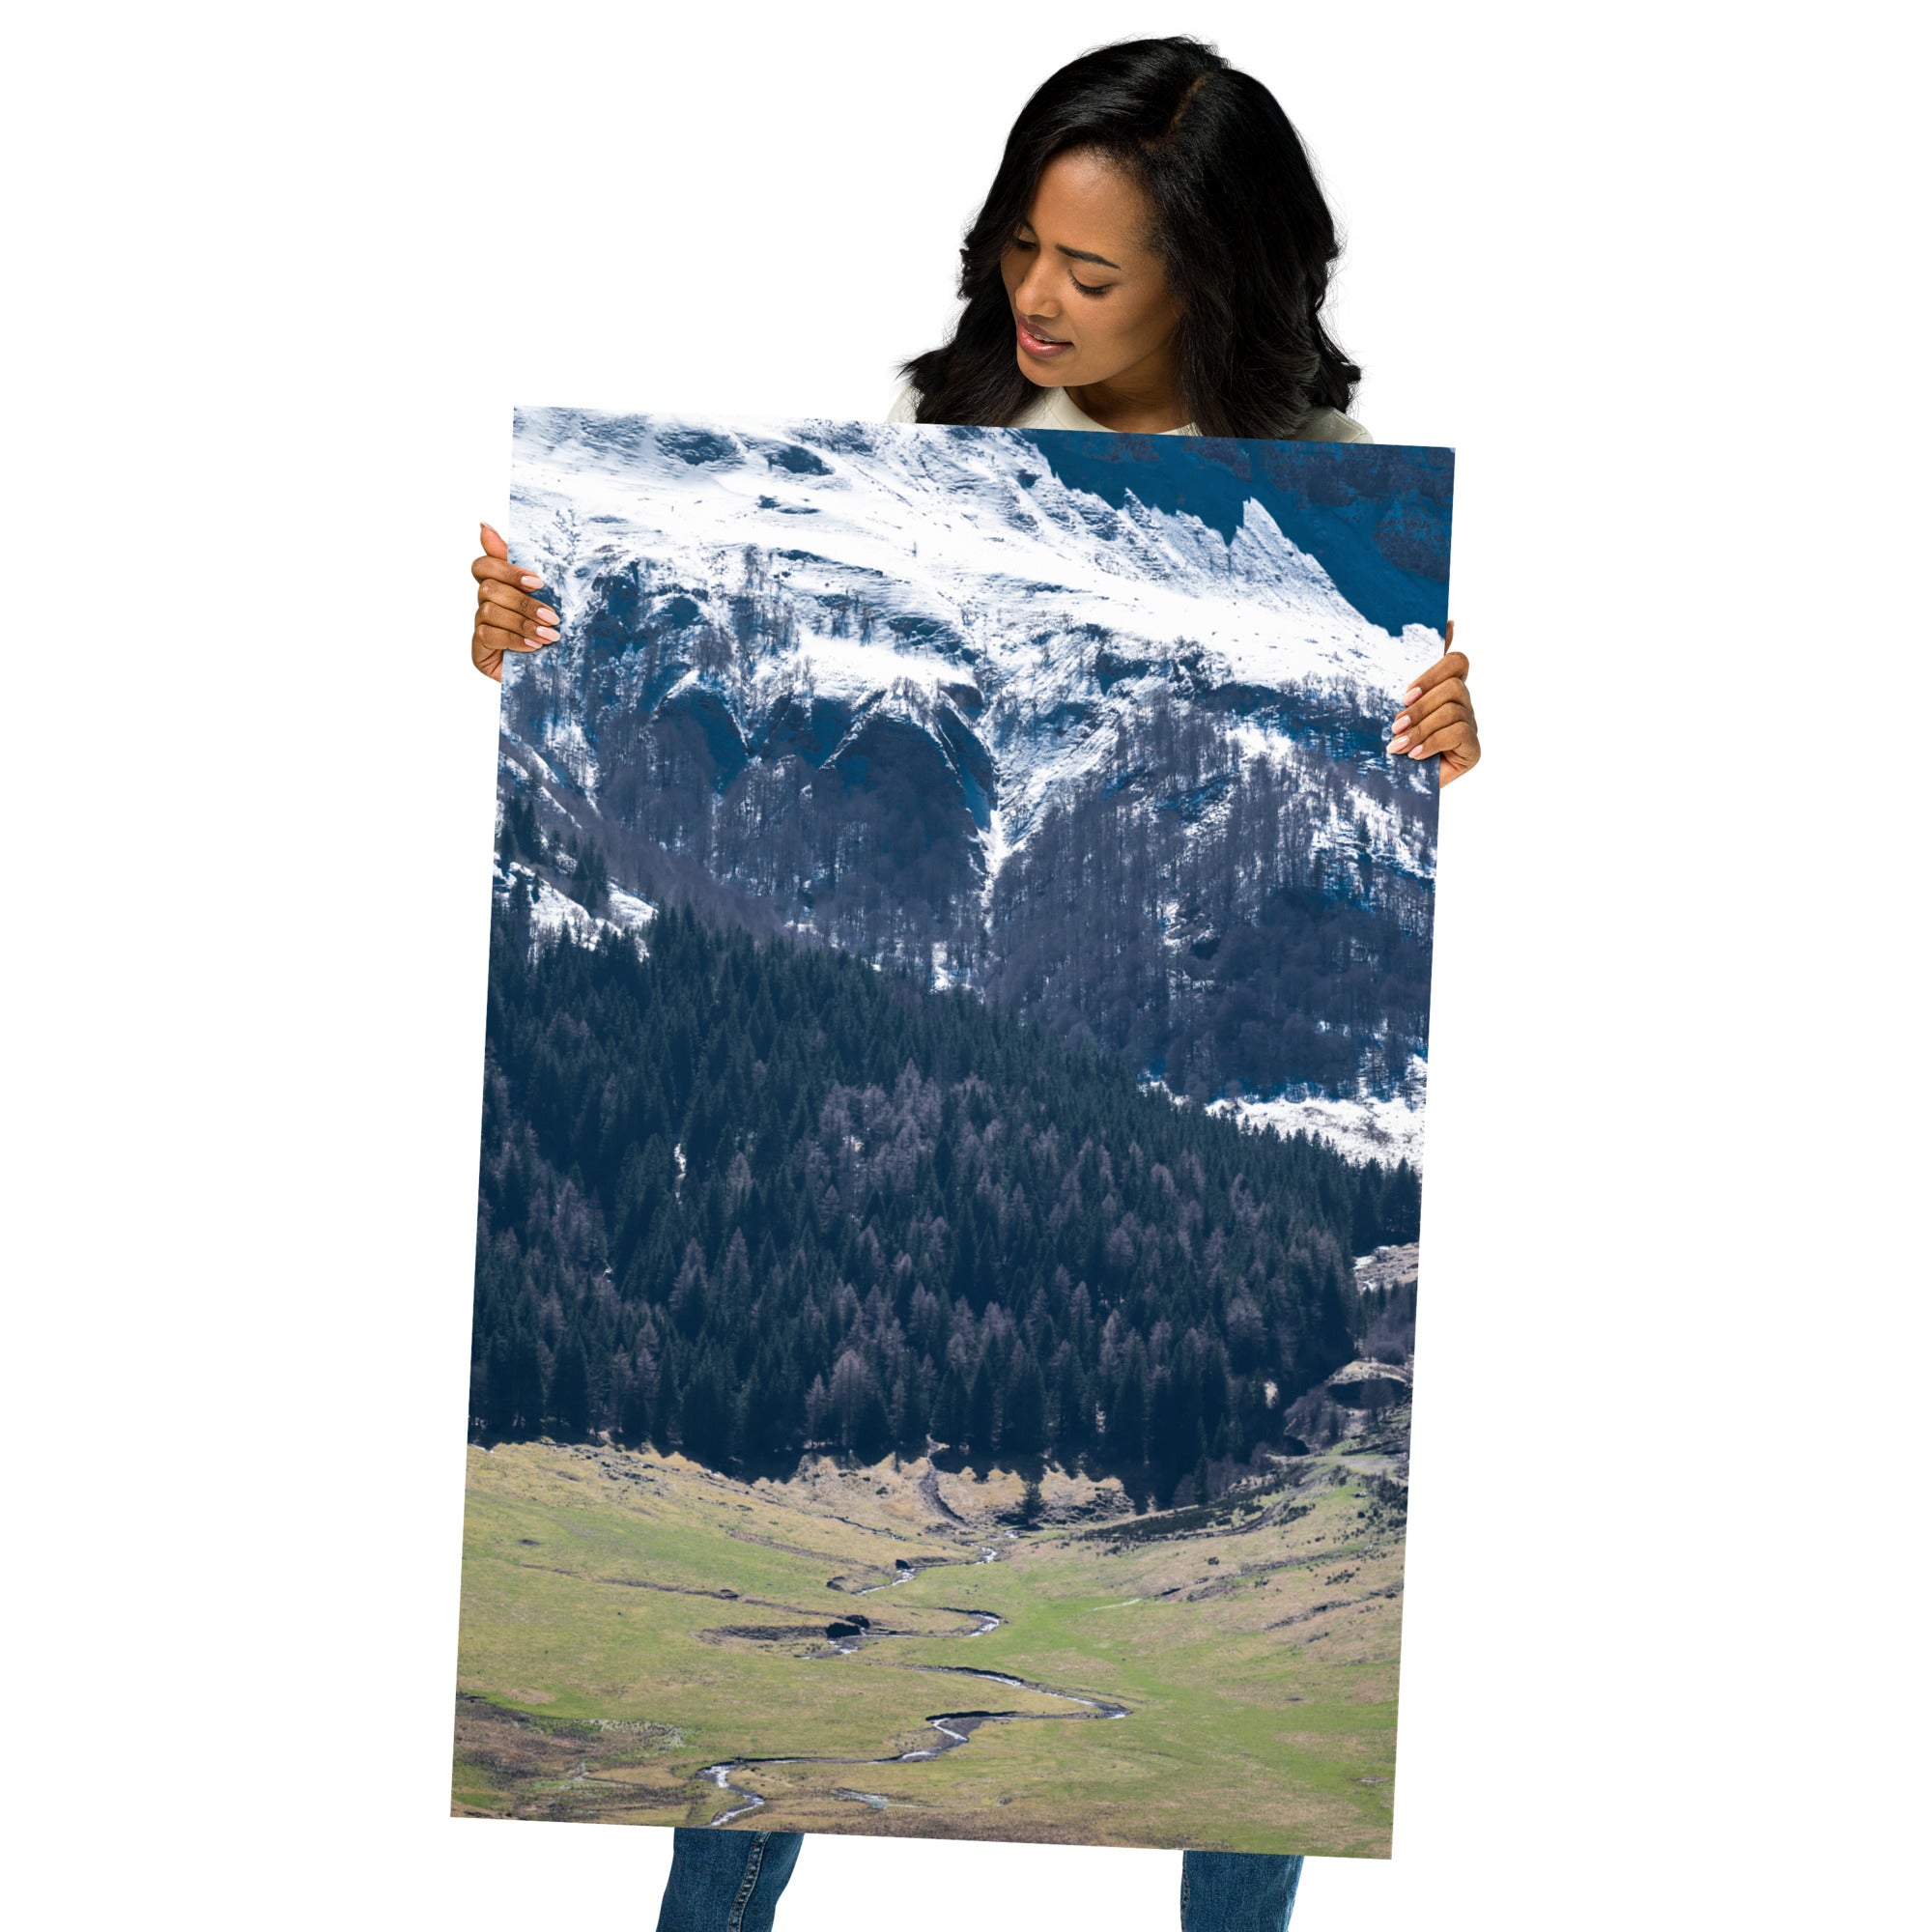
1363 1127
553 913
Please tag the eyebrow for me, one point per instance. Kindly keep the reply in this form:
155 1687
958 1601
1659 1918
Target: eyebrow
1079 254
1087 255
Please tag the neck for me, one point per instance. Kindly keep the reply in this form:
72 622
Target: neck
1142 400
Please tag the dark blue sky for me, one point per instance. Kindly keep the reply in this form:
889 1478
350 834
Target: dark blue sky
1375 515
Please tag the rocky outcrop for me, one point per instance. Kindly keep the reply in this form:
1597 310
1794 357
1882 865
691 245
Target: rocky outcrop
1369 1384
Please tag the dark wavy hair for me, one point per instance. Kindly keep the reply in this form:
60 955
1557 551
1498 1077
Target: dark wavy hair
1240 226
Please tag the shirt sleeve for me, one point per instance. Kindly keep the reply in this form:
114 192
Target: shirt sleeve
1332 426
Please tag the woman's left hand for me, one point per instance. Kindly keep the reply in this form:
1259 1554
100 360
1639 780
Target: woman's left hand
1438 720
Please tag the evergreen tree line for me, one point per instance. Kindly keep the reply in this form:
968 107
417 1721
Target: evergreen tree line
742 1197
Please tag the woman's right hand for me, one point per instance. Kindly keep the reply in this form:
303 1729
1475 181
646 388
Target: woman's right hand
506 618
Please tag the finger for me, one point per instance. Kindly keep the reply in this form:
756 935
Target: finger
1436 722
1451 664
1449 634
1451 692
492 544
1458 760
491 637
485 657
1460 736
500 605
491 570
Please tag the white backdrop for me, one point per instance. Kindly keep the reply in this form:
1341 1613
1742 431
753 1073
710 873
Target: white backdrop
279 276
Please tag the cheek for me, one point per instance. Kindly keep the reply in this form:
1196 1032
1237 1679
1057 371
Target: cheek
1111 327
1148 320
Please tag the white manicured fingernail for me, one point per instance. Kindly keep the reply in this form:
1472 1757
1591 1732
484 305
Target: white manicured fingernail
1396 744
547 634
532 583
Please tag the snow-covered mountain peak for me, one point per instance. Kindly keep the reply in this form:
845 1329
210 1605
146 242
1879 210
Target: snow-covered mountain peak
913 693
971 531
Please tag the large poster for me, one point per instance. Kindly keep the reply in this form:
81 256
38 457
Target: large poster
952 1136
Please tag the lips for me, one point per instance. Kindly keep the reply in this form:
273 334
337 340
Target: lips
1033 343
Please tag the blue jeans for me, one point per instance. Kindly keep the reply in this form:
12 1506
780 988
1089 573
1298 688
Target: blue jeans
731 1882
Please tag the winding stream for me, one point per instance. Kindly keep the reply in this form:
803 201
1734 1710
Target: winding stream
955 1728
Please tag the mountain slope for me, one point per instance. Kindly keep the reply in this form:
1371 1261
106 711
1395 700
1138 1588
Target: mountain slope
908 691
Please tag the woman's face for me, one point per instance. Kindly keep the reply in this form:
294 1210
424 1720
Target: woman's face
1091 301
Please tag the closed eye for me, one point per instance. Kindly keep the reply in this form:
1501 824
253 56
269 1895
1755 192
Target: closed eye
1085 287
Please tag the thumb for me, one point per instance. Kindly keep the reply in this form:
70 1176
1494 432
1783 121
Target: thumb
494 545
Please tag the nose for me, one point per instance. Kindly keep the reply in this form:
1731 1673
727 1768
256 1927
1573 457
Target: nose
1035 295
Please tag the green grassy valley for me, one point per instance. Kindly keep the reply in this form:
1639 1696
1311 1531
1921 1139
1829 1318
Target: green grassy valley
638 1631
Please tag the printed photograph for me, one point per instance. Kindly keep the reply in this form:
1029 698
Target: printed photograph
952 1136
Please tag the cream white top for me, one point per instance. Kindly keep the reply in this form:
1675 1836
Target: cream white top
1055 409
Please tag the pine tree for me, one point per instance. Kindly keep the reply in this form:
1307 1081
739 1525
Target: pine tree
634 1415
1127 1412
854 1395
593 877
709 1411
981 1412
667 1411
499 1411
952 1414
911 1419
570 1389
1023 1428
1073 1418
691 1295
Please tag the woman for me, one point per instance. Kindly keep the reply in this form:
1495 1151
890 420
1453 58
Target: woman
1153 256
